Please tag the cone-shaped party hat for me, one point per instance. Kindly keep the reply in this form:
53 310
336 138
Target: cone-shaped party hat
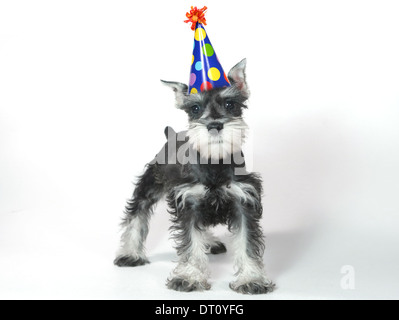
206 71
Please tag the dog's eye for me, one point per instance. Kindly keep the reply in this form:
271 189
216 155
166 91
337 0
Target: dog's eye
195 109
229 105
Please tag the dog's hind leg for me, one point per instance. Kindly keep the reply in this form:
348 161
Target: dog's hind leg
213 244
136 222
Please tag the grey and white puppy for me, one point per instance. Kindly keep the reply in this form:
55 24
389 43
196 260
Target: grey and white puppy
202 173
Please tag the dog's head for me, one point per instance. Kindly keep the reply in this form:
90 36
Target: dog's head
216 127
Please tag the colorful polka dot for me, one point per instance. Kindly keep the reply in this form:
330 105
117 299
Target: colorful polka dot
193 91
193 77
206 86
198 66
200 34
214 74
192 60
207 49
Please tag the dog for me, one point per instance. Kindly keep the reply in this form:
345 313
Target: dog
202 173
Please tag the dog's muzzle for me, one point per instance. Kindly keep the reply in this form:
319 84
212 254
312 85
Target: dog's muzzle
218 126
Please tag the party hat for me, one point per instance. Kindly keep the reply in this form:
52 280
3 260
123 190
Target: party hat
206 71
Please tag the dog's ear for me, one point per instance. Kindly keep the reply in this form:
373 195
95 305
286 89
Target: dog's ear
180 90
237 77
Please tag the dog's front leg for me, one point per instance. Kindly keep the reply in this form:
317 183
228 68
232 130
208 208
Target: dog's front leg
248 243
249 247
191 273
192 243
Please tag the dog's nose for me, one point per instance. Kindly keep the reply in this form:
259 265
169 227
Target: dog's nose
215 126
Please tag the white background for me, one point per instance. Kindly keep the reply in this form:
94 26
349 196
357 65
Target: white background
82 110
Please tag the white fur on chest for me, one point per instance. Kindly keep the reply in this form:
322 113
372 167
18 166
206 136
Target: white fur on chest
243 192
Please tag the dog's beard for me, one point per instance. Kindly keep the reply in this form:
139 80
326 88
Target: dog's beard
217 145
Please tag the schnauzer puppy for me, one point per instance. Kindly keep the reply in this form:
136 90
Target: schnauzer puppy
202 174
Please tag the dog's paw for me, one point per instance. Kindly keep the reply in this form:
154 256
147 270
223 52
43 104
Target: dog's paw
184 285
255 287
218 248
129 261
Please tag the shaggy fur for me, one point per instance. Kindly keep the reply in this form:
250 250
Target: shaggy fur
197 171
